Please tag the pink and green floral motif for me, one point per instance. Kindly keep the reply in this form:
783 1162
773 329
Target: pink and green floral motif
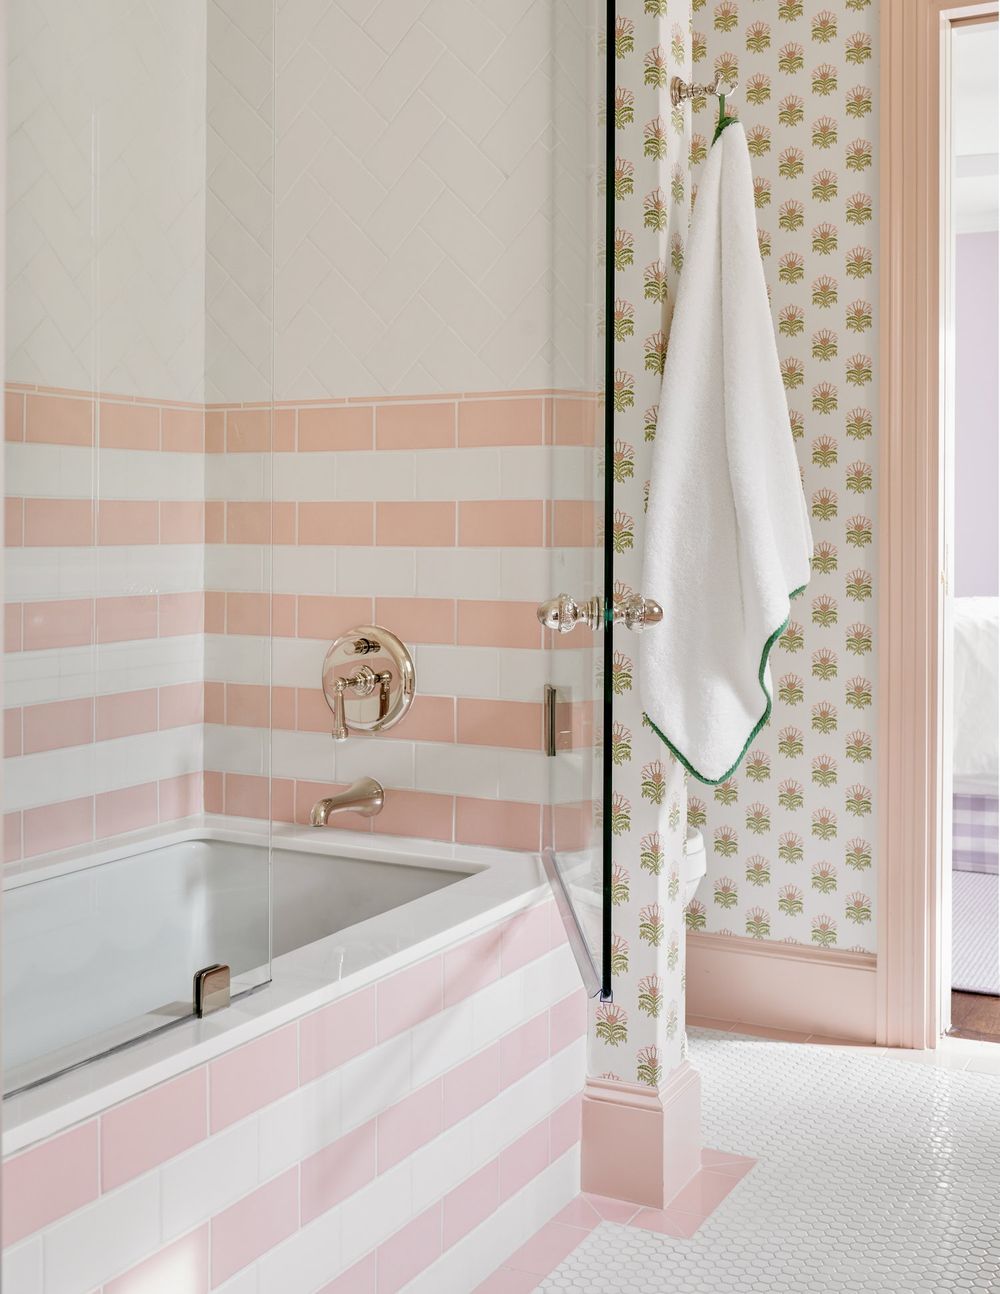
611 1024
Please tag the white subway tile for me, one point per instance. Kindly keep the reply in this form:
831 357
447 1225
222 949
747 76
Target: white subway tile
238 568
376 474
236 750
21 1271
305 1261
199 1184
526 472
525 575
458 573
373 1081
239 658
497 1009
388 572
375 1212
299 1125
524 671
106 1238
244 1282
458 671
305 477
441 1043
307 569
458 770
391 762
458 474
298 662
524 775
145 474
51 471
444 1164
244 477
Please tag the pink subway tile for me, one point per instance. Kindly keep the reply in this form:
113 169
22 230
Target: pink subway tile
215 431
127 521
130 809
415 525
283 434
500 422
546 1249
11 837
57 624
12 732
247 705
252 1076
516 725
469 1086
565 1126
60 826
418 620
704 1193
409 1124
247 613
142 1133
182 522
471 1203
178 1268
215 703
215 794
182 430
59 420
507 1281
501 523
521 1162
247 796
52 523
429 718
214 612
128 426
337 1171
12 617
498 823
359 1279
567 1020
182 613
471 966
283 708
57 723
342 524
524 1049
126 619
579 1212
248 431
333 429
182 704
182 796
417 813
336 1033
576 523
47 1182
248 523
327 617
215 521
526 937
13 415
575 422
415 426
283 615
498 624
312 712
13 522
412 1249
254 1225
406 998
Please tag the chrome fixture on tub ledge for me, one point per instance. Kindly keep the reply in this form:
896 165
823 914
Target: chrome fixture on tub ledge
564 613
365 796
368 681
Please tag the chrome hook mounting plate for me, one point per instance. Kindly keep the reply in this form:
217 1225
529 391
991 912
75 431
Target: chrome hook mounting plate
368 680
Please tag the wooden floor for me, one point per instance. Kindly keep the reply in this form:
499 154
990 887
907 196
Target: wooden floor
975 1015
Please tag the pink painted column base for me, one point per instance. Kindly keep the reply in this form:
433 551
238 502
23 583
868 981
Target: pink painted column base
642 1144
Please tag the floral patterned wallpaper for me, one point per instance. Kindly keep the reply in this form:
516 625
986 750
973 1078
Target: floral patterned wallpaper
791 836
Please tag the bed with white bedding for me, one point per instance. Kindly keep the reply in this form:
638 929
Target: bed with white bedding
976 723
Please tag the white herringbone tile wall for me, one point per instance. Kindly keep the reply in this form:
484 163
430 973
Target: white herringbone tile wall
434 161
106 196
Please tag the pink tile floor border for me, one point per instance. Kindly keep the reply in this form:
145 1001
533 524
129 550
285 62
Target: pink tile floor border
525 1269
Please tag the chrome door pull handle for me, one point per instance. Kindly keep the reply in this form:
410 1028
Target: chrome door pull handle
637 613
563 613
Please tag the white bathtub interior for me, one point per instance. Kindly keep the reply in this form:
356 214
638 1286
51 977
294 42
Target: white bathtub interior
100 954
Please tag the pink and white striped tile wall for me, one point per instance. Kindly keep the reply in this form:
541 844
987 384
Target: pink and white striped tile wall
413 1133
176 573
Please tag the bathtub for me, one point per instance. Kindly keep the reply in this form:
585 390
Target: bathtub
100 949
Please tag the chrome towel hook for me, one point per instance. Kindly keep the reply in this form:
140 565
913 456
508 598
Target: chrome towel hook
681 89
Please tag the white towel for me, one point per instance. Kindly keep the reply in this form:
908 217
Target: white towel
727 528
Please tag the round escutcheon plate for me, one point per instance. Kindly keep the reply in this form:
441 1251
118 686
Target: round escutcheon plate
372 671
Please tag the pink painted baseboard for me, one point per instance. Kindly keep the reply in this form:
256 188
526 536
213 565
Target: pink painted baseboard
642 1144
781 986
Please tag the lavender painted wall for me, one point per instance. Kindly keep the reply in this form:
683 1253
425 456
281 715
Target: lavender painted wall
977 416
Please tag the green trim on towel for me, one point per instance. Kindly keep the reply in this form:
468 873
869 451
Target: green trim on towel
717 781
